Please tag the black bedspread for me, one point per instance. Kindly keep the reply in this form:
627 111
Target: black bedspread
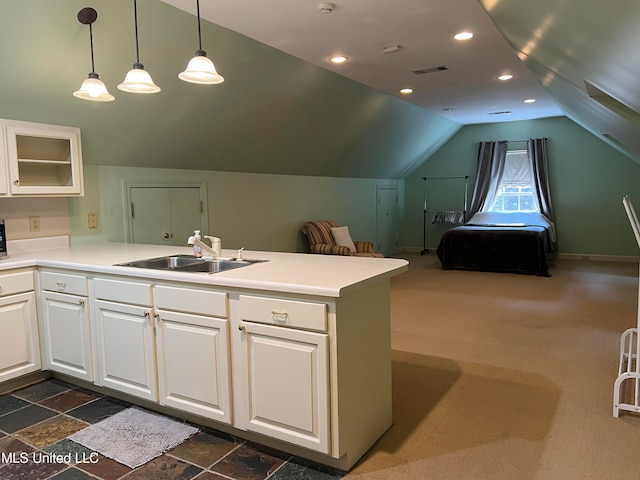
496 248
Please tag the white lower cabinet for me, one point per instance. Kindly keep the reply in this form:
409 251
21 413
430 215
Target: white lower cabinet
287 370
194 371
66 324
123 337
19 338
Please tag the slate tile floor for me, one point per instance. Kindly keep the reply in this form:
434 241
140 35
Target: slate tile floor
36 421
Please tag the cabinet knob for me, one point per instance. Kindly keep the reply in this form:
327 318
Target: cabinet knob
241 327
81 302
16 182
147 314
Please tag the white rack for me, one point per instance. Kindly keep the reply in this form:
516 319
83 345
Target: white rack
626 389
444 216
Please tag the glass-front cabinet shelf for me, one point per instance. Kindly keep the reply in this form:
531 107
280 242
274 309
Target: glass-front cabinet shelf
43 159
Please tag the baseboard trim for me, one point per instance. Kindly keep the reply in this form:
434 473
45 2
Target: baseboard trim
597 258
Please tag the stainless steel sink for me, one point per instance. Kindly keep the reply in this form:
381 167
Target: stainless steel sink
189 263
213 266
163 263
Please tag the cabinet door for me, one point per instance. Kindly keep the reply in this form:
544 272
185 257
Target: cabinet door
19 339
4 167
125 348
193 364
67 340
287 384
44 159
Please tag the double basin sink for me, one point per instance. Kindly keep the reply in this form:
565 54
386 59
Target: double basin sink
189 263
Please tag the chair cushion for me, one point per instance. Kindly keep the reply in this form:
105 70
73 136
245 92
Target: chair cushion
342 238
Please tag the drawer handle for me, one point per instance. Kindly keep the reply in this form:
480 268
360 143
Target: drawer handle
279 316
241 327
81 302
61 286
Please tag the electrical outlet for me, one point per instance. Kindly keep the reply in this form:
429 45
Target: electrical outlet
34 224
93 220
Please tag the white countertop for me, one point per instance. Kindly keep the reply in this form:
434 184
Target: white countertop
324 275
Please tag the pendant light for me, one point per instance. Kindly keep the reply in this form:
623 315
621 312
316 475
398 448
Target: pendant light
92 88
200 69
137 79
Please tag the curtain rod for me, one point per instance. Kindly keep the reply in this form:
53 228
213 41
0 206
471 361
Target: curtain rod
509 141
445 178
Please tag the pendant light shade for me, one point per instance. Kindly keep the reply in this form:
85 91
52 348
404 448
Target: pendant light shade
137 79
200 69
92 88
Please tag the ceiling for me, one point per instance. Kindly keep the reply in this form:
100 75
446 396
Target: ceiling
467 92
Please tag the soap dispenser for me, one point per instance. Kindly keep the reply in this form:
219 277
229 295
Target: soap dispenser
197 249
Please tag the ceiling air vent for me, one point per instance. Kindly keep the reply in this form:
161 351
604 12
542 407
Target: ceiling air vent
430 70
499 113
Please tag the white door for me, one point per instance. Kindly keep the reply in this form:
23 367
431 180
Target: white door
287 384
387 220
67 339
19 341
164 215
125 349
193 364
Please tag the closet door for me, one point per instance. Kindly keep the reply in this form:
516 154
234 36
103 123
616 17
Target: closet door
164 215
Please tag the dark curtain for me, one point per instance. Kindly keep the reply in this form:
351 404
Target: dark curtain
537 153
491 158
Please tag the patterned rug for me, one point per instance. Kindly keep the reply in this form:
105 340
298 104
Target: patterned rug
134 436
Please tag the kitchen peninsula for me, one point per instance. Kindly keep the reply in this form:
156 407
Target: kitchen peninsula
293 352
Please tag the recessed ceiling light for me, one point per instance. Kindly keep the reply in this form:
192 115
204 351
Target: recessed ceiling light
530 100
505 77
463 36
338 59
406 91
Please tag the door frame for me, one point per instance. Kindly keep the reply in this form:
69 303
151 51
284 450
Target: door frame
396 212
128 185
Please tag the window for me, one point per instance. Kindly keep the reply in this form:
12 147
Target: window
515 192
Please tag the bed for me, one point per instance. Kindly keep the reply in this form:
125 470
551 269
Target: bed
500 242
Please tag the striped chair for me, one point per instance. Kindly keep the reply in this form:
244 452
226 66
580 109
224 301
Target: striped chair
321 241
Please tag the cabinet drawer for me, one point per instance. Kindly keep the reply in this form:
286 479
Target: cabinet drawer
64 283
290 313
16 282
123 291
191 300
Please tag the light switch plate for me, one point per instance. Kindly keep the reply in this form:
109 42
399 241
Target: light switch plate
93 220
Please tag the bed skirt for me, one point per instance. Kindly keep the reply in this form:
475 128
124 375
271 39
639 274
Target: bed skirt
496 249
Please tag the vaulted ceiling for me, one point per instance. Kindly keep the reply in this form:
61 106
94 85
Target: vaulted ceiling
284 111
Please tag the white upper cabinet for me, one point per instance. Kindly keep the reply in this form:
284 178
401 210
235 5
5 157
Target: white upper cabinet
40 160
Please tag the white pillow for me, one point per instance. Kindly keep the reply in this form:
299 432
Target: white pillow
342 238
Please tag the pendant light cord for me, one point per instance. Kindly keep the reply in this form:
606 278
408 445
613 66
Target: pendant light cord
199 31
93 67
135 21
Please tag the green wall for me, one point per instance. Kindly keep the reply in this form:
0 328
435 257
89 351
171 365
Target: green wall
274 113
588 180
257 211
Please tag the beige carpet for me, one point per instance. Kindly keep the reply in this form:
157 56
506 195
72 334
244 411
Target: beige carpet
503 376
